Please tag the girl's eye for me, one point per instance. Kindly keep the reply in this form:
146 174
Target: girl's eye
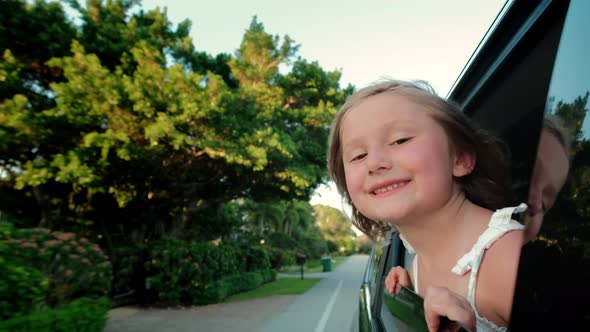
359 157
400 141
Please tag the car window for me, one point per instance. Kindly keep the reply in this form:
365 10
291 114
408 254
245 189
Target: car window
397 313
554 266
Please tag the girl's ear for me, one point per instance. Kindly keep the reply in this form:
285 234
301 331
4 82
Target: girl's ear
464 164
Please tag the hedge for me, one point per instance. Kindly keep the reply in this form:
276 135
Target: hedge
221 289
185 272
81 315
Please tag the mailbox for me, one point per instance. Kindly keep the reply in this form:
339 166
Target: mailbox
300 258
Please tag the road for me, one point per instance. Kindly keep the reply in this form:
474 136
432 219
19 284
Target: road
331 305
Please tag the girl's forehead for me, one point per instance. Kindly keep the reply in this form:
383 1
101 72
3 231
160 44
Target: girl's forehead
387 107
552 149
393 100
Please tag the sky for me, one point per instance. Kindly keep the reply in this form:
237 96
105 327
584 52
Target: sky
419 39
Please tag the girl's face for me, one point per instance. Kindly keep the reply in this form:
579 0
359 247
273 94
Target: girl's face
549 176
397 159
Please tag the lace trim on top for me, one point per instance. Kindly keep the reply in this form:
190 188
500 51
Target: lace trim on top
483 324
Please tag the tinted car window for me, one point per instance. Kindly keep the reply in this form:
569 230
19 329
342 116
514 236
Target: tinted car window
554 268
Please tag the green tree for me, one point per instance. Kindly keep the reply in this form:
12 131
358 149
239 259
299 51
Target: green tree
282 224
293 217
257 61
334 226
126 130
573 115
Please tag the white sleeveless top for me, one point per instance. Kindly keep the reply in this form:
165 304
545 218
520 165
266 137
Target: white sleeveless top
501 223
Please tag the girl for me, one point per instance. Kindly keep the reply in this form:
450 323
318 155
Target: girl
402 156
549 174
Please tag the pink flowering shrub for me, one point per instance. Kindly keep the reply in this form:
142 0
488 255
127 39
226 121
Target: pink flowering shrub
71 267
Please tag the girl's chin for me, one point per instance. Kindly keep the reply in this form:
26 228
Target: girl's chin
388 220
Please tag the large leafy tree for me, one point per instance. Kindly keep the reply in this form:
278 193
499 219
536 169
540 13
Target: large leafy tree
290 218
118 125
284 224
334 225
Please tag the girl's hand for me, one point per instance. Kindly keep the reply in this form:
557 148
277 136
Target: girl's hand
396 278
440 302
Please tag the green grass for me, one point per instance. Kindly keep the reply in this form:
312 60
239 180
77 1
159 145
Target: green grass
312 266
283 286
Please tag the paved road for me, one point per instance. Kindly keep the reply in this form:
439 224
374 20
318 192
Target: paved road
331 305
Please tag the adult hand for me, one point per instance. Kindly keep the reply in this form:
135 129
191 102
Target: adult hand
396 278
440 302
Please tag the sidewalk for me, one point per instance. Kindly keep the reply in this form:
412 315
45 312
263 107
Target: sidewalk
248 316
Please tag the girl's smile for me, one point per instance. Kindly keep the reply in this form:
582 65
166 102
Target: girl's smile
388 187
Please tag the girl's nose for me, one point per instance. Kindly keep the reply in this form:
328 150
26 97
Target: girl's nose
378 162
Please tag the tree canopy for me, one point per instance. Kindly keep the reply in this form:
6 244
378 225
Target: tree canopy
334 225
119 125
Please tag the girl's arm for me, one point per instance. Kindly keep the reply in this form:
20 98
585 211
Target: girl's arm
497 278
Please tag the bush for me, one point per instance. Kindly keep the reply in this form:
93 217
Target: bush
22 288
221 289
332 246
269 275
48 269
194 272
280 257
81 315
127 269
253 258
176 268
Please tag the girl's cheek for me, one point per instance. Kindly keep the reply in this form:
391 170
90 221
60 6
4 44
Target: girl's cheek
351 178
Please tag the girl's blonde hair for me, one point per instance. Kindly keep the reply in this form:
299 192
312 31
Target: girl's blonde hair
486 185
